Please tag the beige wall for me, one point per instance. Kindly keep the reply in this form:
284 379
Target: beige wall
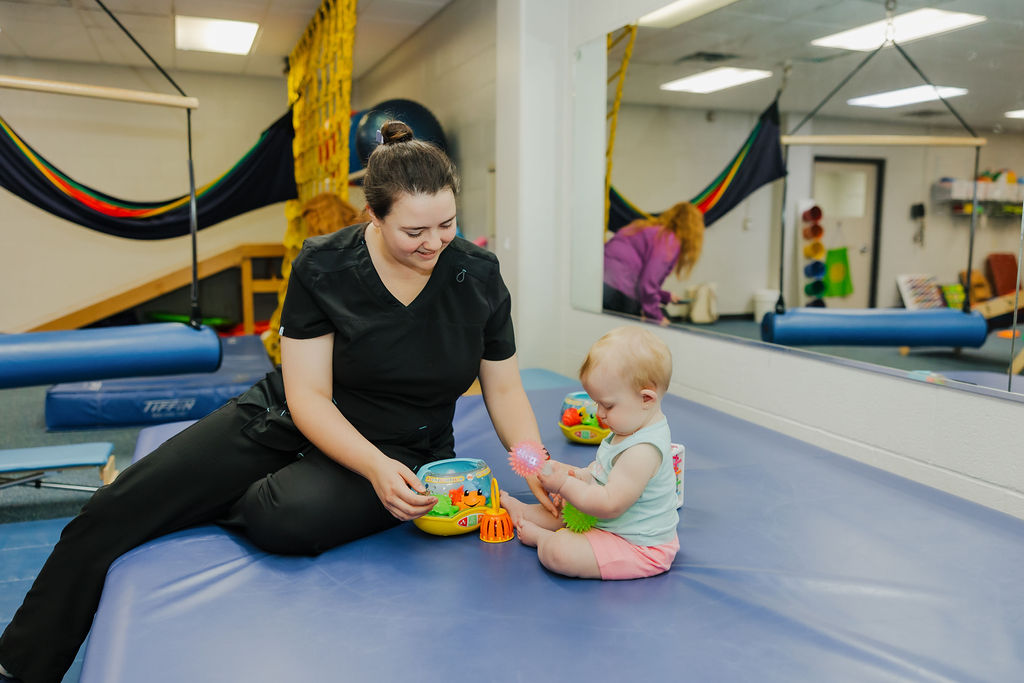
135 152
655 169
448 67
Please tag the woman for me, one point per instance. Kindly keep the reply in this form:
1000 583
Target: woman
385 324
639 257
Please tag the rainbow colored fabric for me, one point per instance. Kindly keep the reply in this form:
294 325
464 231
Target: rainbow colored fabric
758 162
264 175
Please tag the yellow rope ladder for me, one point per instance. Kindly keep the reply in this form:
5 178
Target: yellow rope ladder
614 38
320 94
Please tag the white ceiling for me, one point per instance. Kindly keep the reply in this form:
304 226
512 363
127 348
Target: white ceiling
80 31
987 59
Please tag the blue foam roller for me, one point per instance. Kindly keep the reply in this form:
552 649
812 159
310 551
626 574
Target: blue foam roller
874 327
105 352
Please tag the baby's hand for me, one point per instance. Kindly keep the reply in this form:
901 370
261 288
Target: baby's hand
553 475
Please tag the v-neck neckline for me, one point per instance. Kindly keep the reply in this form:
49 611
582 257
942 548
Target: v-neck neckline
382 289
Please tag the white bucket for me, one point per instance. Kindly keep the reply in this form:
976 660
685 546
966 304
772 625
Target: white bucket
764 302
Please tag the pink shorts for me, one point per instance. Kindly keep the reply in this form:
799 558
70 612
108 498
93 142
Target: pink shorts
617 558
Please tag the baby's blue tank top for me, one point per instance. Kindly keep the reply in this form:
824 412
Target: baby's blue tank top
653 518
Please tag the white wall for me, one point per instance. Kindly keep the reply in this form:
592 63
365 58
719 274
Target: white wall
664 155
448 66
910 173
135 152
960 442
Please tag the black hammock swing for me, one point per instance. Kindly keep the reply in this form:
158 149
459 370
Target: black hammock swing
265 175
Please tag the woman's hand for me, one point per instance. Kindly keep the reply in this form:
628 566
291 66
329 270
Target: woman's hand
541 494
393 483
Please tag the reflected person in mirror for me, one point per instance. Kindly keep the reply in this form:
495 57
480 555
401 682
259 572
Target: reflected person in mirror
640 256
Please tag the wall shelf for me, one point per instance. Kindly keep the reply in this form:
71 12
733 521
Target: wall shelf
996 199
963 190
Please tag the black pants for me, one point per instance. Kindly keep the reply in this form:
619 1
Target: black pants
286 502
614 300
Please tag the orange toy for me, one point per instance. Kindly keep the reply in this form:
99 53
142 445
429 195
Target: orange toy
472 498
496 525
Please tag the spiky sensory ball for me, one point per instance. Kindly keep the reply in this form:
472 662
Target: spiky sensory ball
575 520
526 458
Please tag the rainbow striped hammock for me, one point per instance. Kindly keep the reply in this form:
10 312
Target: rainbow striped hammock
758 162
265 175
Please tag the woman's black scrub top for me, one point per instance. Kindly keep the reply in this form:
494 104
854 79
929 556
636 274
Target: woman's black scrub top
399 369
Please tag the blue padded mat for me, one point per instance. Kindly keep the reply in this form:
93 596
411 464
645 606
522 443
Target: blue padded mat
55 457
987 378
795 565
150 400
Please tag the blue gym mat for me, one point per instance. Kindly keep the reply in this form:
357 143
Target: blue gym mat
796 564
150 400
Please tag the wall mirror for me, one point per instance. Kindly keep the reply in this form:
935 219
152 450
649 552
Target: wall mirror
895 216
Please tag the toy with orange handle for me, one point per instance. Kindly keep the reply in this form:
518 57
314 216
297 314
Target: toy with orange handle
496 525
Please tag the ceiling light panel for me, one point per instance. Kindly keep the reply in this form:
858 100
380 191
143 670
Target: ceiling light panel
680 12
906 27
214 35
905 96
716 79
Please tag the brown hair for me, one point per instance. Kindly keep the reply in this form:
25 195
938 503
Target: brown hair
401 164
686 222
639 357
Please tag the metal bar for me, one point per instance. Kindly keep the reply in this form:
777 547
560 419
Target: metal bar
23 479
884 140
65 487
974 222
98 91
1016 308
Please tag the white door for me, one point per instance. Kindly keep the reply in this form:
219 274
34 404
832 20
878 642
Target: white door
846 194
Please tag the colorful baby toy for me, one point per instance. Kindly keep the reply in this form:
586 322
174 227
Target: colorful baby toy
527 457
459 485
579 421
576 520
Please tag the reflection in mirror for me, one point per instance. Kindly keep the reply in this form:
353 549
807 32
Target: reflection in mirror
890 213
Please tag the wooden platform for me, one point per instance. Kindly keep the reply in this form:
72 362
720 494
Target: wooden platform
237 257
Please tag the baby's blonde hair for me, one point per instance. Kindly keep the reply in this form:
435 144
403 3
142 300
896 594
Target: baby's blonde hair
640 357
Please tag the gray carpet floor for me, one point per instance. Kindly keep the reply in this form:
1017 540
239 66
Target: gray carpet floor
23 425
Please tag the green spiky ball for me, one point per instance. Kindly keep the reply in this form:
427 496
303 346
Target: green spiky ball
575 520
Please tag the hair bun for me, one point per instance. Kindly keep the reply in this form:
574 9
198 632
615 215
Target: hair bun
395 131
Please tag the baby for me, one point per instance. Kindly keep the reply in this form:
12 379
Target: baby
630 486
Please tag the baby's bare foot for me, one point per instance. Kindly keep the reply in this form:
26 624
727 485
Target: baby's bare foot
514 506
528 532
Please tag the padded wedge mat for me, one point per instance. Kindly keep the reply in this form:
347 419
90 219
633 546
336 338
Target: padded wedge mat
150 400
795 565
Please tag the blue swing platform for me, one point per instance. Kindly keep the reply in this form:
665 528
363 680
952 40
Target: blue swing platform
29 466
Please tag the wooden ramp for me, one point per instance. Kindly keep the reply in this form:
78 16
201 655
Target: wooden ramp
237 257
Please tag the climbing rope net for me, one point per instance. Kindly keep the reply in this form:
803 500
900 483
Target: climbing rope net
320 95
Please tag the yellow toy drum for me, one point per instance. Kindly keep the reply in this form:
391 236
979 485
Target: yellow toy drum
461 486
579 421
